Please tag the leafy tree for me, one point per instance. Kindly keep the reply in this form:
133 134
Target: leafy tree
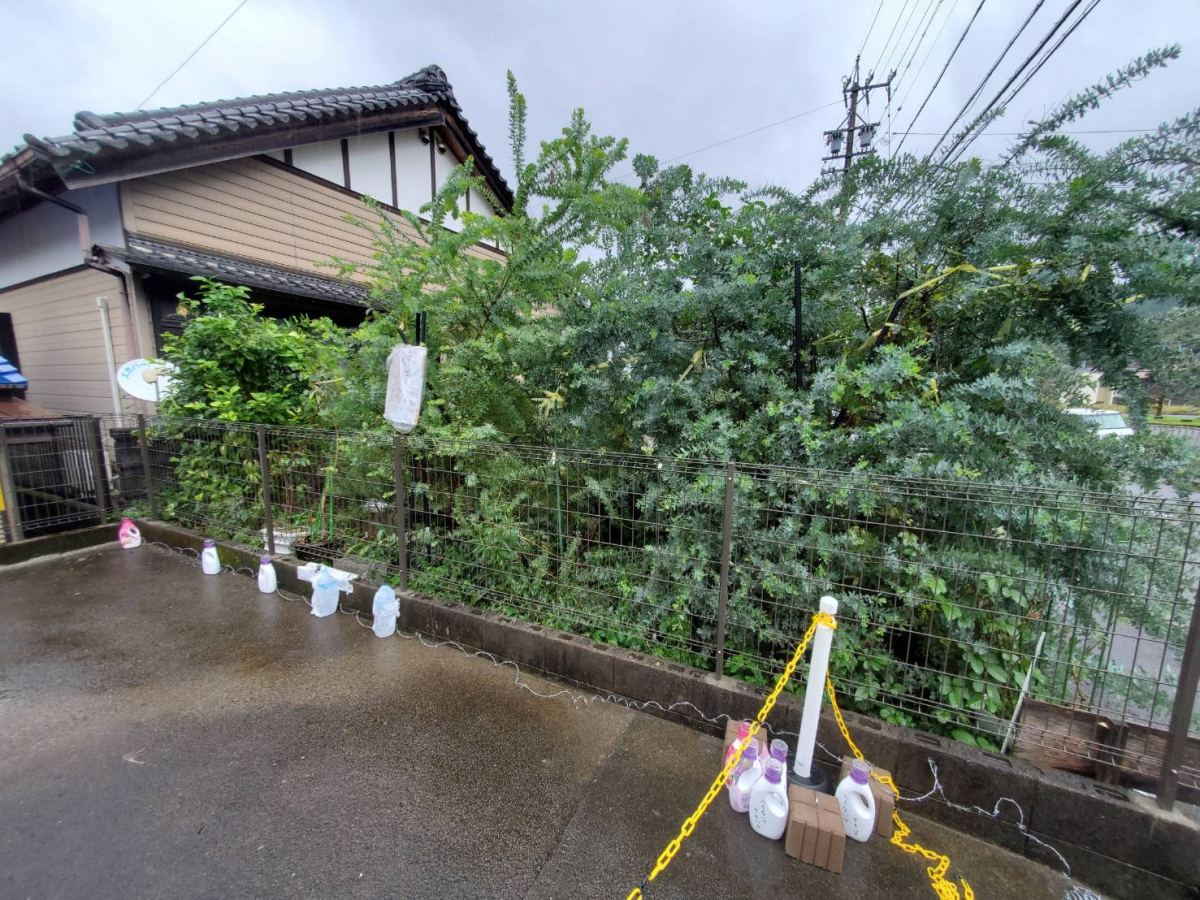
237 365
499 351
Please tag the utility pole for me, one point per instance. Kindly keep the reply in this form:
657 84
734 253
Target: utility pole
841 139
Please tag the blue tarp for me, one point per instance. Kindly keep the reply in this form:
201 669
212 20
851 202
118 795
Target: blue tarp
9 376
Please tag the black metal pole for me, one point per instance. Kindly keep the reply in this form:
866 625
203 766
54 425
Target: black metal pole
1181 713
264 468
147 469
96 453
401 510
798 327
726 541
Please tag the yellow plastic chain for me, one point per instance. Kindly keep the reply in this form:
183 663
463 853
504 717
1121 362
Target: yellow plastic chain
689 824
946 890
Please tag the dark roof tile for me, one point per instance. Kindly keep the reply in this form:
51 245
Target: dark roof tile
177 258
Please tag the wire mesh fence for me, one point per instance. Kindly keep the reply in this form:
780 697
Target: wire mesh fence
1050 621
52 475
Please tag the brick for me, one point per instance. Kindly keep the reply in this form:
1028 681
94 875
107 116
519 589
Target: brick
832 838
801 819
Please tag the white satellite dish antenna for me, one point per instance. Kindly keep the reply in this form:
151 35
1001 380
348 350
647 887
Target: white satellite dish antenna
145 379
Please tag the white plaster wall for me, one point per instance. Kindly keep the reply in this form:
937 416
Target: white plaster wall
371 166
45 239
412 170
323 160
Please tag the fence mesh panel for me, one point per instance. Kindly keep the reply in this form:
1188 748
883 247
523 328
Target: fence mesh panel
950 593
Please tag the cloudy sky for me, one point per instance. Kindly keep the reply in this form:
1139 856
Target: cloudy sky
673 77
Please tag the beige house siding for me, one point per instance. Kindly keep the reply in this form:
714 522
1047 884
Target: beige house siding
252 209
61 343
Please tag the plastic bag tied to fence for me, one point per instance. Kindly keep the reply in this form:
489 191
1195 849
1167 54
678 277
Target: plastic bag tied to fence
405 386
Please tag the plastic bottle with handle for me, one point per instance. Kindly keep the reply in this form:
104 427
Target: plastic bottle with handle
856 801
210 563
266 576
749 771
769 802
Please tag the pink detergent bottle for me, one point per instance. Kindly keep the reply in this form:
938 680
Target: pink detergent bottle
128 535
749 771
743 736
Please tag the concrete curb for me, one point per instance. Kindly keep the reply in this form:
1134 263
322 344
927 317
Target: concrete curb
1118 846
64 542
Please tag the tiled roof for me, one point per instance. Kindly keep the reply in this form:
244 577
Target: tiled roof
117 132
9 376
161 255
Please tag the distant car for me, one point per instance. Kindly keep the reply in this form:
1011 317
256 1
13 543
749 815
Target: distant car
1106 422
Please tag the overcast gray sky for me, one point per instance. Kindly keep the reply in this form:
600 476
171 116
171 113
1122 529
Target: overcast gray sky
670 76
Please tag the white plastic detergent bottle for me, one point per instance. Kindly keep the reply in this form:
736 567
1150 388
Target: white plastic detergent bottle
857 803
266 576
385 608
209 562
743 735
769 802
128 535
749 771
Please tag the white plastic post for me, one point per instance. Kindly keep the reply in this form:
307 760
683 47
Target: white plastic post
806 741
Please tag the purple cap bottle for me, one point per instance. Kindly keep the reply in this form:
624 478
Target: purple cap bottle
860 771
779 750
773 771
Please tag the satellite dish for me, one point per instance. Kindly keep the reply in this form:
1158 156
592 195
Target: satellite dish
146 379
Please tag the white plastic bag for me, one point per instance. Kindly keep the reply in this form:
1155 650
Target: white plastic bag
405 387
385 609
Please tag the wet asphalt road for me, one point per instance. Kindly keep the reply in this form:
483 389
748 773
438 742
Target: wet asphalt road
169 734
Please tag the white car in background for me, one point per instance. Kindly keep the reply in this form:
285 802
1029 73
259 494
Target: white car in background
1106 422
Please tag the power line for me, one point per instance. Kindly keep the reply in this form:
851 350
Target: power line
1051 52
979 88
162 83
892 33
903 31
738 137
959 142
962 37
915 50
928 53
871 28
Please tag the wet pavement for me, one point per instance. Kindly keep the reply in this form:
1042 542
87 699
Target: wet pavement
169 734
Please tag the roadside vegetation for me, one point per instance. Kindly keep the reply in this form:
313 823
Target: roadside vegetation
947 308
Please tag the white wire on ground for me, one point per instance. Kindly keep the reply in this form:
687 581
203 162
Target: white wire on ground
1075 892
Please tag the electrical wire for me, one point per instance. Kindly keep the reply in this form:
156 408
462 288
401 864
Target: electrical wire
162 83
990 72
892 33
871 28
901 66
965 140
962 37
738 137
1046 58
903 31
928 53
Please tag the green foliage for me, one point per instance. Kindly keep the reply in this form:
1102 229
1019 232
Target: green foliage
947 309
237 365
498 348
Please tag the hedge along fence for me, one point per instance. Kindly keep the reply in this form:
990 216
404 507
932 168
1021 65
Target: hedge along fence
947 589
